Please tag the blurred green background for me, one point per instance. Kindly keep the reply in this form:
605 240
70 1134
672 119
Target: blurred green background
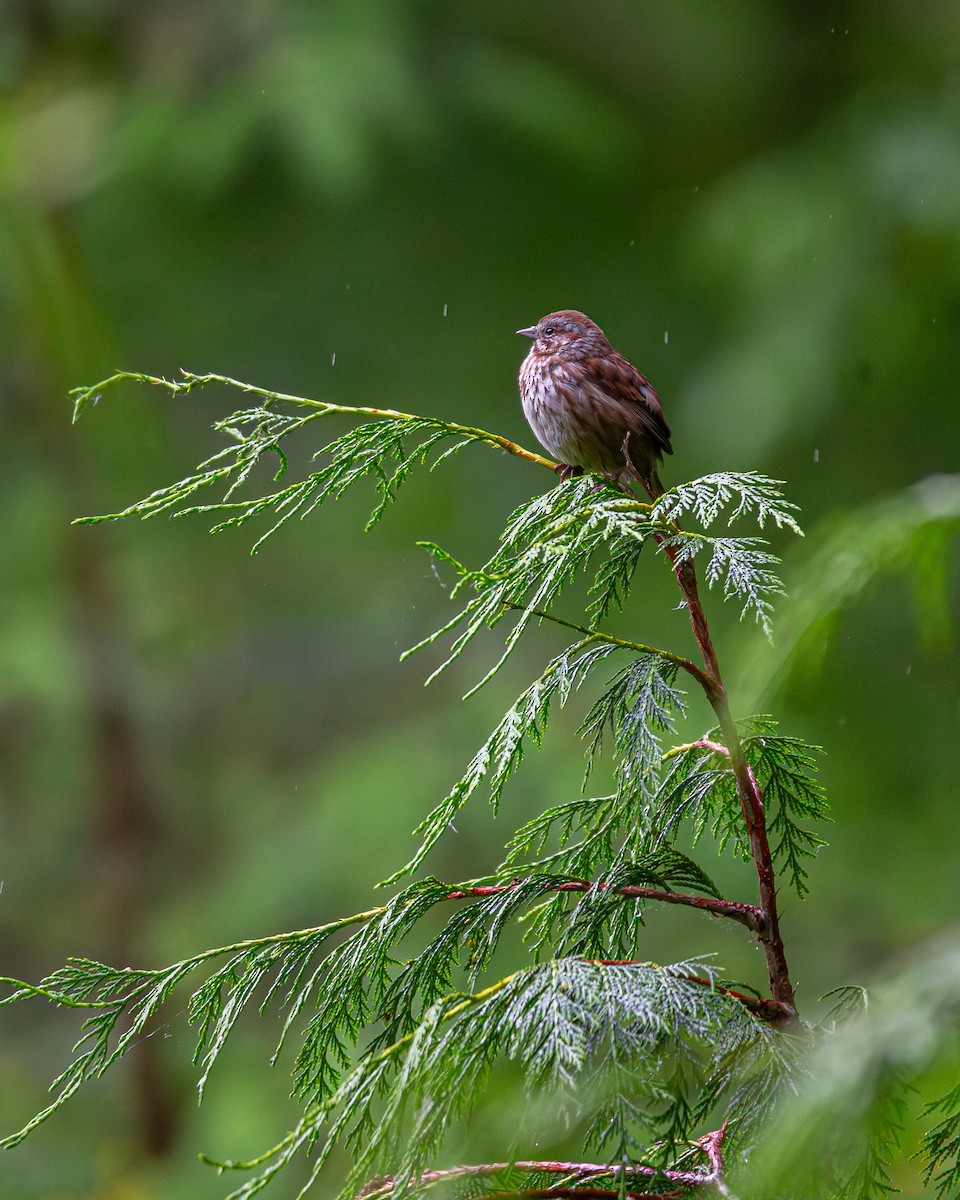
361 200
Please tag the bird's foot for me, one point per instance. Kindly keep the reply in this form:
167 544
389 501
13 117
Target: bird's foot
568 471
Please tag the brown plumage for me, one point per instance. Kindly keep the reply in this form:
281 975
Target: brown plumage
586 403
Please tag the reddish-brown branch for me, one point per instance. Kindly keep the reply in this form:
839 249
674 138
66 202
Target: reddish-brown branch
583 1171
751 804
687 578
573 1192
763 1006
748 790
755 820
745 914
712 1146
716 747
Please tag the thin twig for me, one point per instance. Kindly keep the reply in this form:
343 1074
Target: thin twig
85 395
745 914
684 664
703 743
748 790
582 1171
575 1192
712 1145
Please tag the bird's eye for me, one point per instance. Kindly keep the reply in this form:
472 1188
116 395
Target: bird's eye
549 331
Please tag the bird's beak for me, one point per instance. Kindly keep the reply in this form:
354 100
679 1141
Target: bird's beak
531 333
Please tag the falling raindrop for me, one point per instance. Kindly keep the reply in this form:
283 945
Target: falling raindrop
444 310
816 455
333 359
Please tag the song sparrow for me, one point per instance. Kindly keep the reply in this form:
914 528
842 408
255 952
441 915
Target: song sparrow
588 406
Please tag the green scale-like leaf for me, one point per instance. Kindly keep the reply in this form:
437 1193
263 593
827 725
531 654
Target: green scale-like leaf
700 787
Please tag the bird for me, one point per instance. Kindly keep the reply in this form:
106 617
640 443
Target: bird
590 407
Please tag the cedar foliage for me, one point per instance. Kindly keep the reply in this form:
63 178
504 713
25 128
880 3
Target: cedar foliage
663 1075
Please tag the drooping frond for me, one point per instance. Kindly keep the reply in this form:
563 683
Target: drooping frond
729 494
609 832
587 833
700 787
547 543
785 768
742 569
562 1023
123 1001
121 1004
849 1000
640 703
739 567
383 450
524 722
941 1144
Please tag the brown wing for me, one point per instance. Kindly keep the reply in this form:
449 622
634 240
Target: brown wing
633 389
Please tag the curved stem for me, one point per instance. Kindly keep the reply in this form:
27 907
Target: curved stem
582 1171
684 664
754 816
82 396
745 914
748 791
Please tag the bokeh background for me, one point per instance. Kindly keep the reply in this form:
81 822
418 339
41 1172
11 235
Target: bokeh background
361 200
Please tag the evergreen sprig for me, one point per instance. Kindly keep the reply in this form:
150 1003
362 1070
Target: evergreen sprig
636 707
640 704
399 1033
563 1023
547 543
941 1143
551 540
525 721
124 1002
740 566
729 494
346 981
785 768
384 450
700 788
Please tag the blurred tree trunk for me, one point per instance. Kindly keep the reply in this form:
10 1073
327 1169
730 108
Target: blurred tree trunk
63 337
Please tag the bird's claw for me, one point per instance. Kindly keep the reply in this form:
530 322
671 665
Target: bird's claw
568 471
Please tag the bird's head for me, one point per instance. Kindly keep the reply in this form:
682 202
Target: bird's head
567 333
